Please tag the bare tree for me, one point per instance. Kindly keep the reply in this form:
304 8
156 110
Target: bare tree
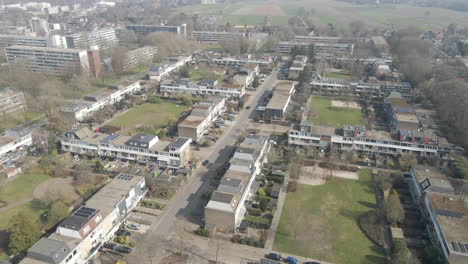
119 59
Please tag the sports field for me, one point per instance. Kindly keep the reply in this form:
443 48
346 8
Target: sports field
323 12
321 222
149 118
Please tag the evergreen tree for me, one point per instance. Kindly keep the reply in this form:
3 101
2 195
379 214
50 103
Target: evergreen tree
23 234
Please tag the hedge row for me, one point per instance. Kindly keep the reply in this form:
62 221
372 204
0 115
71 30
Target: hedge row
248 241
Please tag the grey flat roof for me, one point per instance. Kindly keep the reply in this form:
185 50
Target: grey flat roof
222 197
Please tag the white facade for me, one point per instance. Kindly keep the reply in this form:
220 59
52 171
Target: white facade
226 90
10 144
158 72
102 38
84 109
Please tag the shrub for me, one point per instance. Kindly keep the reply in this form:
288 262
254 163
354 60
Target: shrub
264 204
202 232
276 178
254 211
394 211
122 239
292 186
370 224
258 222
261 192
131 244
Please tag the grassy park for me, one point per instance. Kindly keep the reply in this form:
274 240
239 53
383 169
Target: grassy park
323 12
323 113
200 74
21 187
150 116
322 222
17 119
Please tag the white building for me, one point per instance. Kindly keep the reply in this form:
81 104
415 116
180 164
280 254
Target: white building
53 61
204 87
78 238
145 149
103 38
79 111
10 101
12 140
227 206
160 71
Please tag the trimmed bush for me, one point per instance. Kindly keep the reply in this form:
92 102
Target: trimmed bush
254 211
258 222
202 232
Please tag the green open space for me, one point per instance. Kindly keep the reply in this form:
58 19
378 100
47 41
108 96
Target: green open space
200 74
461 165
321 222
17 119
323 113
21 187
338 13
151 117
31 211
342 74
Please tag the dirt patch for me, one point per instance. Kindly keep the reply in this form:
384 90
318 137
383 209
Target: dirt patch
56 185
260 10
314 175
339 103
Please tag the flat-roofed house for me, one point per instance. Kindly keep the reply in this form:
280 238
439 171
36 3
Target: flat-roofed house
279 102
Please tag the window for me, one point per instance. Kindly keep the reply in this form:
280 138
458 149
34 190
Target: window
86 229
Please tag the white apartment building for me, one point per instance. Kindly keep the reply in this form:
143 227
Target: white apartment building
202 116
264 60
103 38
215 36
204 87
79 111
159 71
78 238
10 101
12 140
307 134
227 206
146 149
146 29
321 49
138 56
53 61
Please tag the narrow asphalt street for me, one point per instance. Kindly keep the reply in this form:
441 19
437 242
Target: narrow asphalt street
187 202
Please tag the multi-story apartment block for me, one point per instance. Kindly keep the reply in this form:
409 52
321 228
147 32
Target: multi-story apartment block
297 66
79 111
228 204
318 39
78 238
146 29
22 40
10 101
400 114
137 57
53 61
12 140
144 149
321 49
260 60
204 87
200 119
161 70
445 213
279 102
257 40
40 26
306 134
102 39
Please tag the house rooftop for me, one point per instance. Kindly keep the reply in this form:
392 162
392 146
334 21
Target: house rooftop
6 139
437 179
48 250
278 101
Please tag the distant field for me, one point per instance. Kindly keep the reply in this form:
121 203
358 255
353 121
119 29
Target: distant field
326 114
322 222
330 11
151 116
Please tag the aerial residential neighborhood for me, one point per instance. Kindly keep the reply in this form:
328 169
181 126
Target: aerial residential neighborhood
234 132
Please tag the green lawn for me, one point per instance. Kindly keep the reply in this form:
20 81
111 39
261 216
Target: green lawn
29 209
17 119
461 165
342 74
151 117
21 187
326 114
321 222
200 74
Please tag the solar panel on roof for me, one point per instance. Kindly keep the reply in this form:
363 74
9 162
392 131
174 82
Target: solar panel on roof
109 138
451 214
455 246
462 247
125 177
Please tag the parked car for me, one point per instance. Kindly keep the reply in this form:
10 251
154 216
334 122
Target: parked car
291 260
205 162
122 232
111 246
248 107
274 256
311 262
123 249
134 226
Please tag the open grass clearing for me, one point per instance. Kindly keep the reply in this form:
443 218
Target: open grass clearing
322 222
21 187
150 117
340 74
17 119
323 113
200 74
